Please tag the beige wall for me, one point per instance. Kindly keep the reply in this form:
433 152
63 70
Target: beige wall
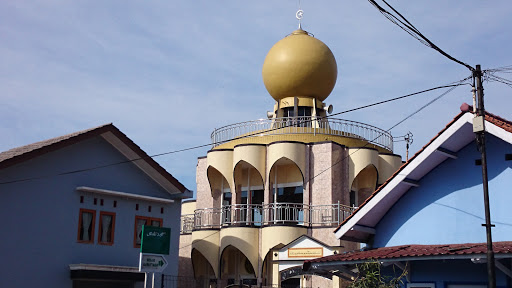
207 243
245 239
273 236
296 152
188 207
222 161
254 155
327 169
360 158
388 164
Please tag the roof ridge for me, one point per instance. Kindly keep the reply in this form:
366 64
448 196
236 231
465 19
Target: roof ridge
20 150
465 108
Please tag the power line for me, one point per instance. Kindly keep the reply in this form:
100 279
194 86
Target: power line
405 25
400 122
452 87
216 232
235 138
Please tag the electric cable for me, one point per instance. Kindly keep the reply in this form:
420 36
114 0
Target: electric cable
394 126
413 31
452 87
458 83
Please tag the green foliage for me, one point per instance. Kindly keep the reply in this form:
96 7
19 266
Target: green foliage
370 276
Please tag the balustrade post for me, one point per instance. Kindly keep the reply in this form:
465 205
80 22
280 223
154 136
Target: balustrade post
338 208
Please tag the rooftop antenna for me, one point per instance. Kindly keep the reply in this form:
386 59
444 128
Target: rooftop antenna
408 141
299 16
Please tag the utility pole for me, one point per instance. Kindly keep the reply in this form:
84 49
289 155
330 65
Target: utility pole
479 129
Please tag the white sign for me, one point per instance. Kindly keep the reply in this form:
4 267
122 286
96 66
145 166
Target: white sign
152 263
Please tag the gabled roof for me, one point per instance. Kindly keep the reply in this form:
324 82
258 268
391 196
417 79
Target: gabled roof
113 136
414 252
456 135
305 236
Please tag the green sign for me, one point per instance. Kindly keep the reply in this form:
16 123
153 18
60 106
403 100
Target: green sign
155 240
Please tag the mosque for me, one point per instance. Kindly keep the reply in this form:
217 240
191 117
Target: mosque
271 192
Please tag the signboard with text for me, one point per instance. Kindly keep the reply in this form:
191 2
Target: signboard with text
155 240
152 263
313 252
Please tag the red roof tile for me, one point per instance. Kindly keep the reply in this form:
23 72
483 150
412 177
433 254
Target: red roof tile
403 251
465 108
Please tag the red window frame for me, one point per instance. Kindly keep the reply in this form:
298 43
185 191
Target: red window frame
93 221
148 219
100 228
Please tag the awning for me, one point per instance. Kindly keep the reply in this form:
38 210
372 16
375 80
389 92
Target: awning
105 272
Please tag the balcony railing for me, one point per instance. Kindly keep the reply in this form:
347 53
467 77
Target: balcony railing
271 214
187 223
304 125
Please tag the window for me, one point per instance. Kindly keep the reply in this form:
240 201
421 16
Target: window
293 194
139 222
86 221
302 119
106 228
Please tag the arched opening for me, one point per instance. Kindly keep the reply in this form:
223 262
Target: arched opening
363 185
203 271
222 196
249 194
235 268
286 194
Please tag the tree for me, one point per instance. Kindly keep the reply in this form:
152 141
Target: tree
370 276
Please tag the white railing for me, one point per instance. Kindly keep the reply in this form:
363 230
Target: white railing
329 214
187 223
271 214
242 214
285 213
304 125
207 218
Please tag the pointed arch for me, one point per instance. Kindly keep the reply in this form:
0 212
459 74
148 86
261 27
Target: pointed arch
201 266
235 264
285 174
293 151
359 159
253 154
218 183
222 161
363 184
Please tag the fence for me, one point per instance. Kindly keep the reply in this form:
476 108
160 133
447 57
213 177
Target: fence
304 125
171 281
266 214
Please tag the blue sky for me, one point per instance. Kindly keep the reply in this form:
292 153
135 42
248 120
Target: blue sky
167 73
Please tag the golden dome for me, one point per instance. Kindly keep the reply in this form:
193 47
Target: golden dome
300 65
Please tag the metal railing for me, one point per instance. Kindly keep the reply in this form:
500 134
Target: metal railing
187 224
329 214
285 213
246 214
207 218
304 125
271 214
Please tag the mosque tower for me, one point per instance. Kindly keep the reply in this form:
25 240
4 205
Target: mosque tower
271 192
